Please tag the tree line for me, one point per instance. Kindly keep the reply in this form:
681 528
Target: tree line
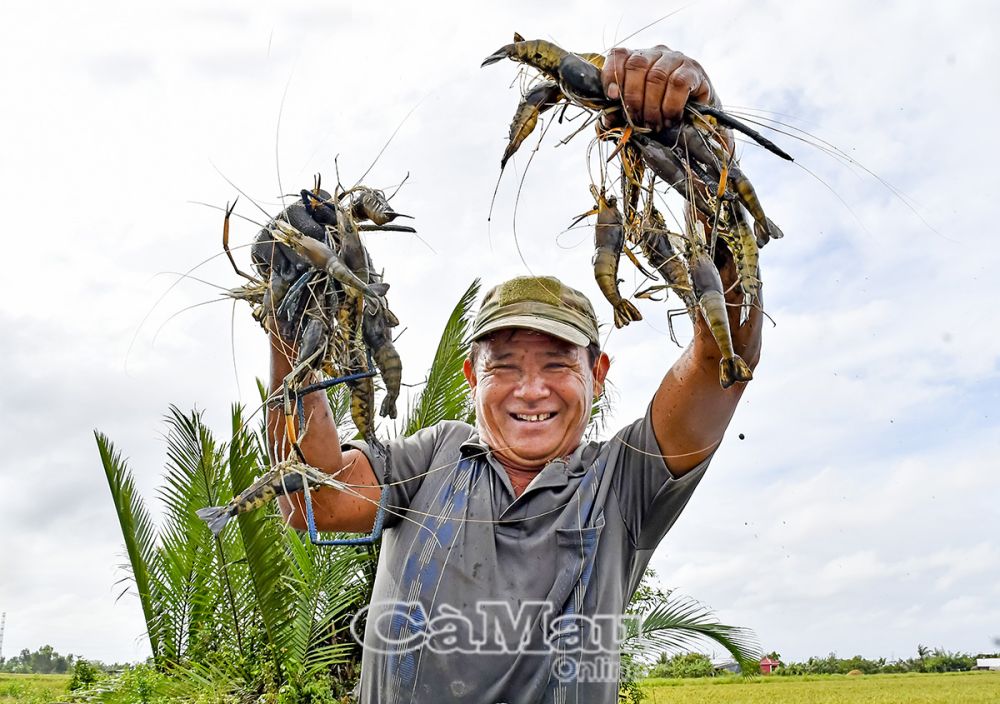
927 660
683 665
47 661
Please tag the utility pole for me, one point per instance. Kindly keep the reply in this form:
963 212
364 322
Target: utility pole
3 622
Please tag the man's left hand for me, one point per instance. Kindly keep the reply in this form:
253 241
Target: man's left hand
655 84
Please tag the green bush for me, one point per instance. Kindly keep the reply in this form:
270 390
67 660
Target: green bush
84 675
315 691
684 665
138 685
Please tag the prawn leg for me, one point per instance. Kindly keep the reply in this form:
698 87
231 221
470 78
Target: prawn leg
225 241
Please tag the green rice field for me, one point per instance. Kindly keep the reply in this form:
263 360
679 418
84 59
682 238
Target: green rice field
945 688
32 689
950 688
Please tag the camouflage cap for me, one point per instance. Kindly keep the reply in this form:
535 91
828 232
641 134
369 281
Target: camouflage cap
542 303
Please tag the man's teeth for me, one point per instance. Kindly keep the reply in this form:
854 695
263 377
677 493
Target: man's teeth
533 418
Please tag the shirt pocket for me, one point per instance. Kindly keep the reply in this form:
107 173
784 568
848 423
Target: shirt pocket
576 557
585 538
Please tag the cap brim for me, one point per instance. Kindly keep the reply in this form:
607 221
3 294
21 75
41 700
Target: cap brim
530 322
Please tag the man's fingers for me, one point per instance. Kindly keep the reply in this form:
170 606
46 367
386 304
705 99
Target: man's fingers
634 89
657 80
654 84
680 85
613 73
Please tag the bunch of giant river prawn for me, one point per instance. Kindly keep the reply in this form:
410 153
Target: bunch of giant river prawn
694 158
316 288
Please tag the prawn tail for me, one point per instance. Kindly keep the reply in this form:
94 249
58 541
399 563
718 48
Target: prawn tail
733 369
216 517
379 288
391 320
625 313
766 231
388 408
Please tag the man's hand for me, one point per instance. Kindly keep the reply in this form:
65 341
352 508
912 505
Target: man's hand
655 84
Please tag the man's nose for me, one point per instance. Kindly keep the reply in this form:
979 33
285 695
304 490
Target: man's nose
533 387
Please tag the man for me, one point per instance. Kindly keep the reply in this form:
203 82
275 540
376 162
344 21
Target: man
511 548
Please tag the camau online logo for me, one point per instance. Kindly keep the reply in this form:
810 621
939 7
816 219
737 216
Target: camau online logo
491 627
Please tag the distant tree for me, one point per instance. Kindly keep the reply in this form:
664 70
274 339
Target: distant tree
927 660
775 655
44 661
943 661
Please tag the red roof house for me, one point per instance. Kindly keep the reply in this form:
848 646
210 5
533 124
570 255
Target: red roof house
767 665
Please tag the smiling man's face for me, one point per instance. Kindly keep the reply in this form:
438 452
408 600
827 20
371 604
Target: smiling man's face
533 395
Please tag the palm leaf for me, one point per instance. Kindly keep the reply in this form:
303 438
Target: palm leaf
326 586
194 479
137 531
681 622
600 412
264 543
446 395
340 405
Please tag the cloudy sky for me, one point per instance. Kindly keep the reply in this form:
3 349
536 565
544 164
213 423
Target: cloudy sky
859 513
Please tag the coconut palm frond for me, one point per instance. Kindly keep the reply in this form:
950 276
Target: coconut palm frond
137 531
682 622
446 395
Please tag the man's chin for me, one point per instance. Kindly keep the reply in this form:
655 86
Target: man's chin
533 455
529 447
525 455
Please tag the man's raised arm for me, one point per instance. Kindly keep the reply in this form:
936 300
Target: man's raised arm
334 510
691 411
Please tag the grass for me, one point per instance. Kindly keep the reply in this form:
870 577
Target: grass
914 688
33 689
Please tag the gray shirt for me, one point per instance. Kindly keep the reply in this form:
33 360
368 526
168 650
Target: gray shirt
484 597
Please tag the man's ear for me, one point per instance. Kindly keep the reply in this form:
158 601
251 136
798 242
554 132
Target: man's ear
470 374
601 367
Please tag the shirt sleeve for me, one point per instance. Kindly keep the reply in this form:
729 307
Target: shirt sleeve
408 460
649 496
